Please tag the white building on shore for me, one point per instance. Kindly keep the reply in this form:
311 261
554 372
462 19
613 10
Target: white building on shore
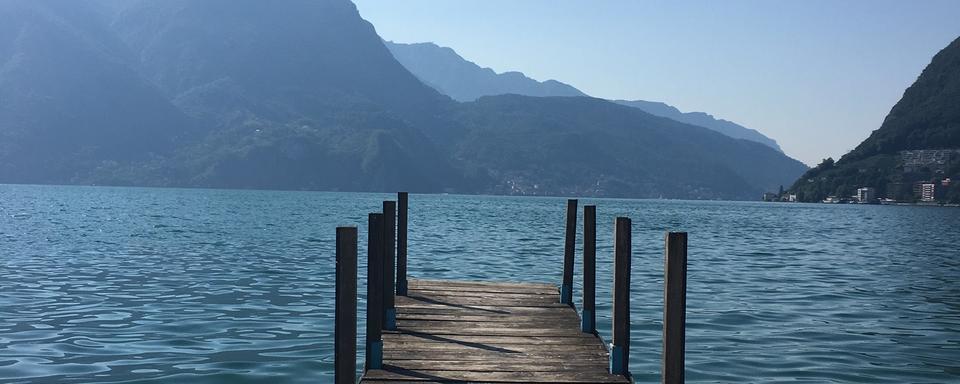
866 195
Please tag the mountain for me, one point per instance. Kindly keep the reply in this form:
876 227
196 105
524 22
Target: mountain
61 118
210 93
324 52
305 95
587 146
445 70
919 141
306 86
702 119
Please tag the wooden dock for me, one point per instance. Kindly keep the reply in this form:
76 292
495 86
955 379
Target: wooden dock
455 331
438 331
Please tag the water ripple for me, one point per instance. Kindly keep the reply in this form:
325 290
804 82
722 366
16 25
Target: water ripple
202 286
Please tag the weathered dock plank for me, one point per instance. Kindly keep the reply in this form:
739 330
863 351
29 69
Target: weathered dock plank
440 331
455 331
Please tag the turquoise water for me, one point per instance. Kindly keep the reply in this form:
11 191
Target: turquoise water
215 286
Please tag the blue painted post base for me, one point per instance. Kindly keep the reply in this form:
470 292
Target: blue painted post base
402 288
566 294
374 355
390 320
618 360
586 322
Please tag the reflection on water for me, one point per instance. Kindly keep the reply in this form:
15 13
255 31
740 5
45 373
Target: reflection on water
204 286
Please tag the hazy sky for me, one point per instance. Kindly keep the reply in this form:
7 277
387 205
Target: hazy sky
817 76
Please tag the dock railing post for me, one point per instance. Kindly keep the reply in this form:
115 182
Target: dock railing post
374 351
674 306
402 243
389 265
570 243
620 345
588 315
345 312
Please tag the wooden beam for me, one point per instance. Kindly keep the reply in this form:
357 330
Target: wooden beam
389 265
674 306
345 317
620 345
570 243
508 333
588 315
374 350
402 285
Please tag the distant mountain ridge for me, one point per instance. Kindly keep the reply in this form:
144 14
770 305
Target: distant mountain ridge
702 119
454 76
463 80
305 96
593 147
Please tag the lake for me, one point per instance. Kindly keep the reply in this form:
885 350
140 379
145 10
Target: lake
103 284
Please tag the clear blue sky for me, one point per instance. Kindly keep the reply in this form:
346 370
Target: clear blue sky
818 76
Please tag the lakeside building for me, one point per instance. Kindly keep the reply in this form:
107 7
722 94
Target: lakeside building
918 189
769 196
866 195
928 192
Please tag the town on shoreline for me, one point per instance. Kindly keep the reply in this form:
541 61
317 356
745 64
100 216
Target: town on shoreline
925 193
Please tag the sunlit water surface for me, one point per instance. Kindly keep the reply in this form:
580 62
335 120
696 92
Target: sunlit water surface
217 286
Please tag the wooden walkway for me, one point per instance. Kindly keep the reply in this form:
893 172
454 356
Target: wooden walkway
456 331
434 331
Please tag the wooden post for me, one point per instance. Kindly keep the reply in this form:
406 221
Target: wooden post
402 243
345 323
620 346
588 315
674 306
566 288
389 265
374 349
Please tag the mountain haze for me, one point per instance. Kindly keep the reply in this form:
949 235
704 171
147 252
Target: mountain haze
305 95
445 70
